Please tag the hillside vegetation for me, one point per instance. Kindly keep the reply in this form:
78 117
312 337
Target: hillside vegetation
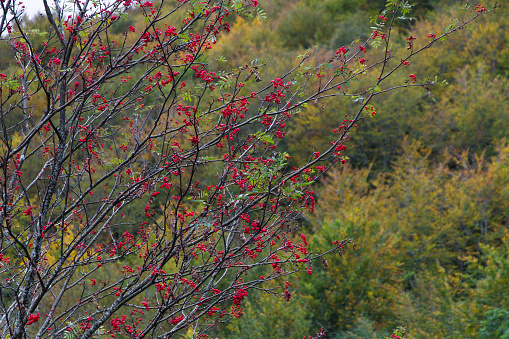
424 194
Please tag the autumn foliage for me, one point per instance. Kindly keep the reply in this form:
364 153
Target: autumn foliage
156 173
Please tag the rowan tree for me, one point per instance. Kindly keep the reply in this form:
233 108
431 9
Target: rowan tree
143 190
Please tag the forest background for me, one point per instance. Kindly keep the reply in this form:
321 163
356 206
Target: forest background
424 194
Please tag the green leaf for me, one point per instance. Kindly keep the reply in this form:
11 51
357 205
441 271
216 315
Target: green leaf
303 184
187 96
184 37
266 138
12 84
357 98
260 14
377 42
224 81
198 6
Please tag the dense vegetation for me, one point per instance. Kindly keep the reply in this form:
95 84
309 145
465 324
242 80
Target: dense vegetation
425 194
